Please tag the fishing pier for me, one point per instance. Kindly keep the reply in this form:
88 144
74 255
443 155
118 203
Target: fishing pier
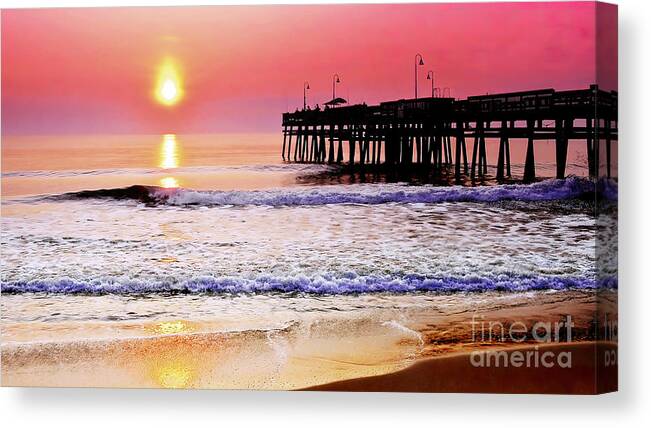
423 131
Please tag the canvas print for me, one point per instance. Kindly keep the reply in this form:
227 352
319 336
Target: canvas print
390 197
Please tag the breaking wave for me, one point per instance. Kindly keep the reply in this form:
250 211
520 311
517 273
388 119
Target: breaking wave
368 194
347 284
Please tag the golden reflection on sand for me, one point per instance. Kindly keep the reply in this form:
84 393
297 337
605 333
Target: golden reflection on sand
175 373
173 366
171 327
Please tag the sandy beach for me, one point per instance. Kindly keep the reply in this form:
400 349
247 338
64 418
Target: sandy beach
456 374
400 347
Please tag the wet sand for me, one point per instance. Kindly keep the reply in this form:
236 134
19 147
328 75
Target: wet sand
416 343
277 359
589 374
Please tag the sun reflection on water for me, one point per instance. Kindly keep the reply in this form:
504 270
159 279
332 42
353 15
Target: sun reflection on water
169 182
169 152
169 159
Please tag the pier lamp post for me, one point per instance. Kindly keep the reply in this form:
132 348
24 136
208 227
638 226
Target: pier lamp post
418 60
430 76
306 87
335 80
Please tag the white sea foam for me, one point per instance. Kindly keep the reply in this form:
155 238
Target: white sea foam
373 194
122 243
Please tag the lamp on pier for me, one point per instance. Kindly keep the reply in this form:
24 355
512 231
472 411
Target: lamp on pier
430 76
335 80
306 87
418 60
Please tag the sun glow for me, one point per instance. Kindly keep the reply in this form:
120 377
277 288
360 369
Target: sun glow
169 86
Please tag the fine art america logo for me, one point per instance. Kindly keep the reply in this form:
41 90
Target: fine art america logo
518 332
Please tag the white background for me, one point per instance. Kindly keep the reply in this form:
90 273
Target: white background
630 406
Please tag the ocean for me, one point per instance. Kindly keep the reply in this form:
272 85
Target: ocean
128 237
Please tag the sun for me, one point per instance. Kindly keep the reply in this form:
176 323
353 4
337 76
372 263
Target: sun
169 92
168 89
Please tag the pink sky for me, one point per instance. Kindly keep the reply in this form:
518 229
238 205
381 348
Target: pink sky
92 70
